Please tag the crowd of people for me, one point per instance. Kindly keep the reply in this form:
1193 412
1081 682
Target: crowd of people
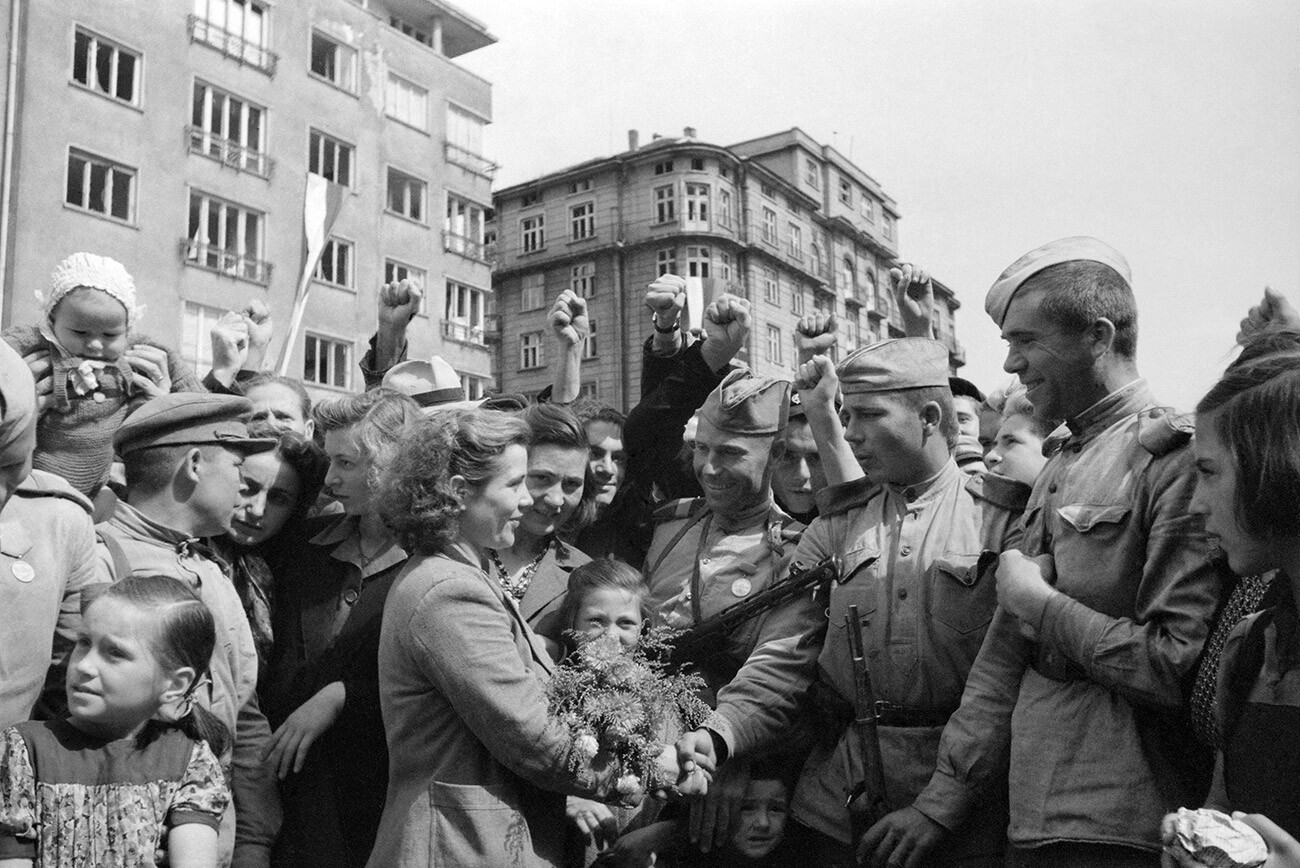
245 628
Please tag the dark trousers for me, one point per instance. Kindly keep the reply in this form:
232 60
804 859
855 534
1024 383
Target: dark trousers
1079 855
821 850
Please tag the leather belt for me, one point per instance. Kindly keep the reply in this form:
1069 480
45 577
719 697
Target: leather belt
888 714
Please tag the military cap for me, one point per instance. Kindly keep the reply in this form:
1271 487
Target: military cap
744 403
1074 249
899 363
964 388
182 418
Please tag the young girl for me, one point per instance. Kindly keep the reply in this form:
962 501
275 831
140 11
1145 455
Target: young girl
96 367
133 768
605 597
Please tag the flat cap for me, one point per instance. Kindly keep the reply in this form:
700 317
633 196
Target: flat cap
747 404
182 418
1074 249
900 363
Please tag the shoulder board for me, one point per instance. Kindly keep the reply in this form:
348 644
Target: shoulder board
1161 430
678 509
41 484
999 491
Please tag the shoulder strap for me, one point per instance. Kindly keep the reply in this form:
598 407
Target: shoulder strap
117 554
672 543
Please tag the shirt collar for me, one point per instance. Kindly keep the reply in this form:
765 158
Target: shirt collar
921 493
1124 401
345 535
140 525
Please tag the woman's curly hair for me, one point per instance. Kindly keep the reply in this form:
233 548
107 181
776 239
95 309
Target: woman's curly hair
555 425
415 494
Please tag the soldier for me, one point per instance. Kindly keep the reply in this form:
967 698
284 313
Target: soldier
182 456
1104 612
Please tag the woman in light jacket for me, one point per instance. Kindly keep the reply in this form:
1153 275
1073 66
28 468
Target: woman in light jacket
478 768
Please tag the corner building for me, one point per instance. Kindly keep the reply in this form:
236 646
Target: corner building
177 138
788 223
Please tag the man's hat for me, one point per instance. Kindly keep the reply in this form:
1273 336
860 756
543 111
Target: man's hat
184 418
963 388
747 404
434 384
1077 248
899 363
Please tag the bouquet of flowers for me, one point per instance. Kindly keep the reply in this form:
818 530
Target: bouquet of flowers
627 703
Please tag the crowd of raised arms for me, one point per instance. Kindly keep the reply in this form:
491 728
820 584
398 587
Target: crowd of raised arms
910 622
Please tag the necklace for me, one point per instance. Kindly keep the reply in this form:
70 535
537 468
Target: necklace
517 587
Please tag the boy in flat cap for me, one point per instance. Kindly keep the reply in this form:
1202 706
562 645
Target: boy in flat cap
1107 602
182 454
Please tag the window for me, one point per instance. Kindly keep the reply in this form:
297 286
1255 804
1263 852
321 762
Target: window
697 206
335 265
666 261
846 192
100 185
580 186
811 174
772 352
533 292
848 277
465 142
105 67
228 129
869 287
589 350
663 168
395 272
533 232
226 237
796 301
463 320
236 28
590 390
197 321
724 265
329 158
333 61
530 350
582 279
326 361
697 164
815 254
724 207
405 195
771 288
463 228
421 36
769 226
698 261
887 225
475 387
869 209
582 221
407 102
530 199
665 204
766 190
795 233
724 172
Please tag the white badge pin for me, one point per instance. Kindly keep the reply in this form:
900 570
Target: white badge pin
23 571
741 587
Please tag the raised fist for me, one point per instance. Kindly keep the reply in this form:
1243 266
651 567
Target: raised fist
568 318
914 295
666 297
1274 312
815 334
260 325
398 303
817 384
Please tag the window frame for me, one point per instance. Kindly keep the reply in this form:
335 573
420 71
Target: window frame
111 168
583 284
407 178
582 227
532 291
770 227
341 49
199 254
468 328
772 351
666 256
336 243
590 350
537 232
316 151
334 342
251 157
539 348
665 199
400 80
95 38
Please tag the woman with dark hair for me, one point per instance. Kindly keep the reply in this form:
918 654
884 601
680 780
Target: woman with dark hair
482 764
1248 466
535 569
322 693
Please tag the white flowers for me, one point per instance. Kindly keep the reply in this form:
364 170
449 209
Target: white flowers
586 745
627 785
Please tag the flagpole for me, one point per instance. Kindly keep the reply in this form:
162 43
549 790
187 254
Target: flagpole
321 203
295 322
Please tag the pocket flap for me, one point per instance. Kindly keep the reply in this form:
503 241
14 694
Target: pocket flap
966 569
1083 517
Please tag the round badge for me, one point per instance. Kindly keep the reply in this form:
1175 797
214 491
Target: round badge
350 596
98 397
23 571
741 587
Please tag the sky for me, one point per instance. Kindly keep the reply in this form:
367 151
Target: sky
1168 128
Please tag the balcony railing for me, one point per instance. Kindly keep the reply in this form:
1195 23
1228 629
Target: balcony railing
470 161
229 153
223 261
463 246
463 332
232 45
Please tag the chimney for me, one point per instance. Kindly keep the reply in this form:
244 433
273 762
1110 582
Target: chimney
688 132
633 140
654 137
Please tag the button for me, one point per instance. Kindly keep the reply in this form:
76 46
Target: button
704 560
1051 489
902 594
905 551
350 596
1047 540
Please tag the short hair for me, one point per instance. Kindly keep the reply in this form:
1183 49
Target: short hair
589 411
414 491
1257 407
381 416
1078 293
918 397
303 456
266 378
1018 404
555 425
601 574
152 469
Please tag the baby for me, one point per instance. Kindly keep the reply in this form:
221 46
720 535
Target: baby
90 367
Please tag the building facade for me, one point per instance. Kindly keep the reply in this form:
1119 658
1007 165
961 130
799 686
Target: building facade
177 138
788 223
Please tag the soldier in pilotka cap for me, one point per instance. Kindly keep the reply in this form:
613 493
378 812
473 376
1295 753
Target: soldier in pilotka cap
913 531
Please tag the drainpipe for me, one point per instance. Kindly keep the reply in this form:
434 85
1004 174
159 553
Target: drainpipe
620 315
7 169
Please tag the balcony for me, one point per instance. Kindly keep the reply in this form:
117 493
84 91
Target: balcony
469 161
464 246
229 153
464 333
222 261
232 45
492 328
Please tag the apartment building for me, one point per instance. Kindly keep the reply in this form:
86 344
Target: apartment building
178 137
788 223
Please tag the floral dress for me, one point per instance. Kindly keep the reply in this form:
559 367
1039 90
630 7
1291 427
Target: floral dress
72 800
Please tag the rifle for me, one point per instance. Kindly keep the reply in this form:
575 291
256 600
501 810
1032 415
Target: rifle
866 801
706 641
